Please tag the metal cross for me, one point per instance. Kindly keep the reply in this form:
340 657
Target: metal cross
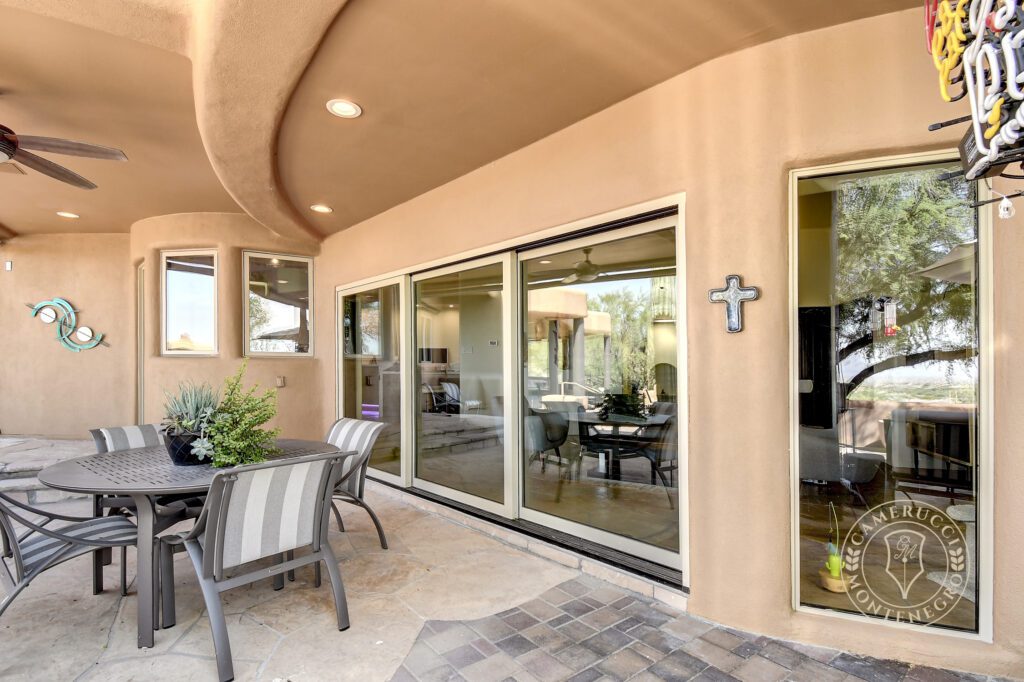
733 296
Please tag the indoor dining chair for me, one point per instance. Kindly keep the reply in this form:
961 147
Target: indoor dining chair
41 546
260 511
356 435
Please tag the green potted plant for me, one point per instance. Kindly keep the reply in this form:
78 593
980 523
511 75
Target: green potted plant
832 575
189 414
236 432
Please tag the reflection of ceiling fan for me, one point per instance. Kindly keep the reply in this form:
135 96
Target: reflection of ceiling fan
583 270
14 147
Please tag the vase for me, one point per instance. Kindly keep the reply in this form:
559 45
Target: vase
179 447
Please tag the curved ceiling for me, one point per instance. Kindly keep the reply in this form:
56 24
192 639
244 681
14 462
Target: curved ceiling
447 87
62 79
219 104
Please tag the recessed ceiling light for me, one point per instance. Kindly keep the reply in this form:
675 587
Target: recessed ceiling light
544 262
344 108
282 281
451 305
321 208
68 214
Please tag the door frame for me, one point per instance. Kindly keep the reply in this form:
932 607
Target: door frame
508 506
404 478
631 546
986 425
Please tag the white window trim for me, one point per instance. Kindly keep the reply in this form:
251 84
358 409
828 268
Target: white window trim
246 352
986 464
164 255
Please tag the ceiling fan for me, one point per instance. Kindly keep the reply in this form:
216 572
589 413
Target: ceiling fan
15 148
583 270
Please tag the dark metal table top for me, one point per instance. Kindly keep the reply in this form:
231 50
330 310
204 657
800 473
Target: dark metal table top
149 471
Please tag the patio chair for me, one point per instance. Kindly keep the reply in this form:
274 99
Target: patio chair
115 439
41 547
454 394
356 435
256 512
441 402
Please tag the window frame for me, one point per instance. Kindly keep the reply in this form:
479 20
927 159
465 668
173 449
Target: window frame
985 454
170 253
247 255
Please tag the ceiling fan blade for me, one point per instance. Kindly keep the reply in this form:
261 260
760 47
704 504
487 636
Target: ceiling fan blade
570 279
38 163
71 148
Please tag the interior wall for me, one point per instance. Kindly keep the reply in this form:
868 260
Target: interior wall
726 134
45 388
299 402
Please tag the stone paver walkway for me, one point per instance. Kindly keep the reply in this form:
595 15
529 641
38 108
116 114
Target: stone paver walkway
585 630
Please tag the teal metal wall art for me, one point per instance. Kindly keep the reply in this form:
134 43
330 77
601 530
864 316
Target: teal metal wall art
63 313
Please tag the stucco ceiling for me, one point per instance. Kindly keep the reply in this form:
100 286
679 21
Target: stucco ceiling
451 85
219 104
64 80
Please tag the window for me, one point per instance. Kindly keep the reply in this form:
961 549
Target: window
189 302
278 294
889 386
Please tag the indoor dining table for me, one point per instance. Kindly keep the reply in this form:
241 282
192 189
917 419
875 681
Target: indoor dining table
145 474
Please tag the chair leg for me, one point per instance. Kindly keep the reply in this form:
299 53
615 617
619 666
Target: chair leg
317 580
8 599
337 515
291 573
215 611
168 613
124 571
279 577
337 587
97 556
376 522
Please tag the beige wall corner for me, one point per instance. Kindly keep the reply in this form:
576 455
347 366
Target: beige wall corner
229 233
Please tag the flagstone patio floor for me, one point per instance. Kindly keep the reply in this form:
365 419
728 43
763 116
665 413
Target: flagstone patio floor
445 602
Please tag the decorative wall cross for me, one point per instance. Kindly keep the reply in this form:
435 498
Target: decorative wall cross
733 296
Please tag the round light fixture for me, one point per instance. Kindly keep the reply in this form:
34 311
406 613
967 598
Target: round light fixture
544 262
321 208
68 214
282 281
344 108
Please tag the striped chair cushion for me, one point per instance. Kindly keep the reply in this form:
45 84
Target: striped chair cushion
354 435
116 438
271 510
452 391
39 549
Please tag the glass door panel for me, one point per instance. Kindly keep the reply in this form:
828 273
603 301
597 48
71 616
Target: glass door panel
889 389
459 380
371 368
600 386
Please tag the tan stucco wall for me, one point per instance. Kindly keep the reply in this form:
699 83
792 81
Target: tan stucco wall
299 401
727 133
45 388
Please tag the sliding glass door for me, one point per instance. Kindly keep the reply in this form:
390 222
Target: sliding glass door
461 325
371 367
601 389
544 385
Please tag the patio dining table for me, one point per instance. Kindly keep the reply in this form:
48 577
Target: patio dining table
145 474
